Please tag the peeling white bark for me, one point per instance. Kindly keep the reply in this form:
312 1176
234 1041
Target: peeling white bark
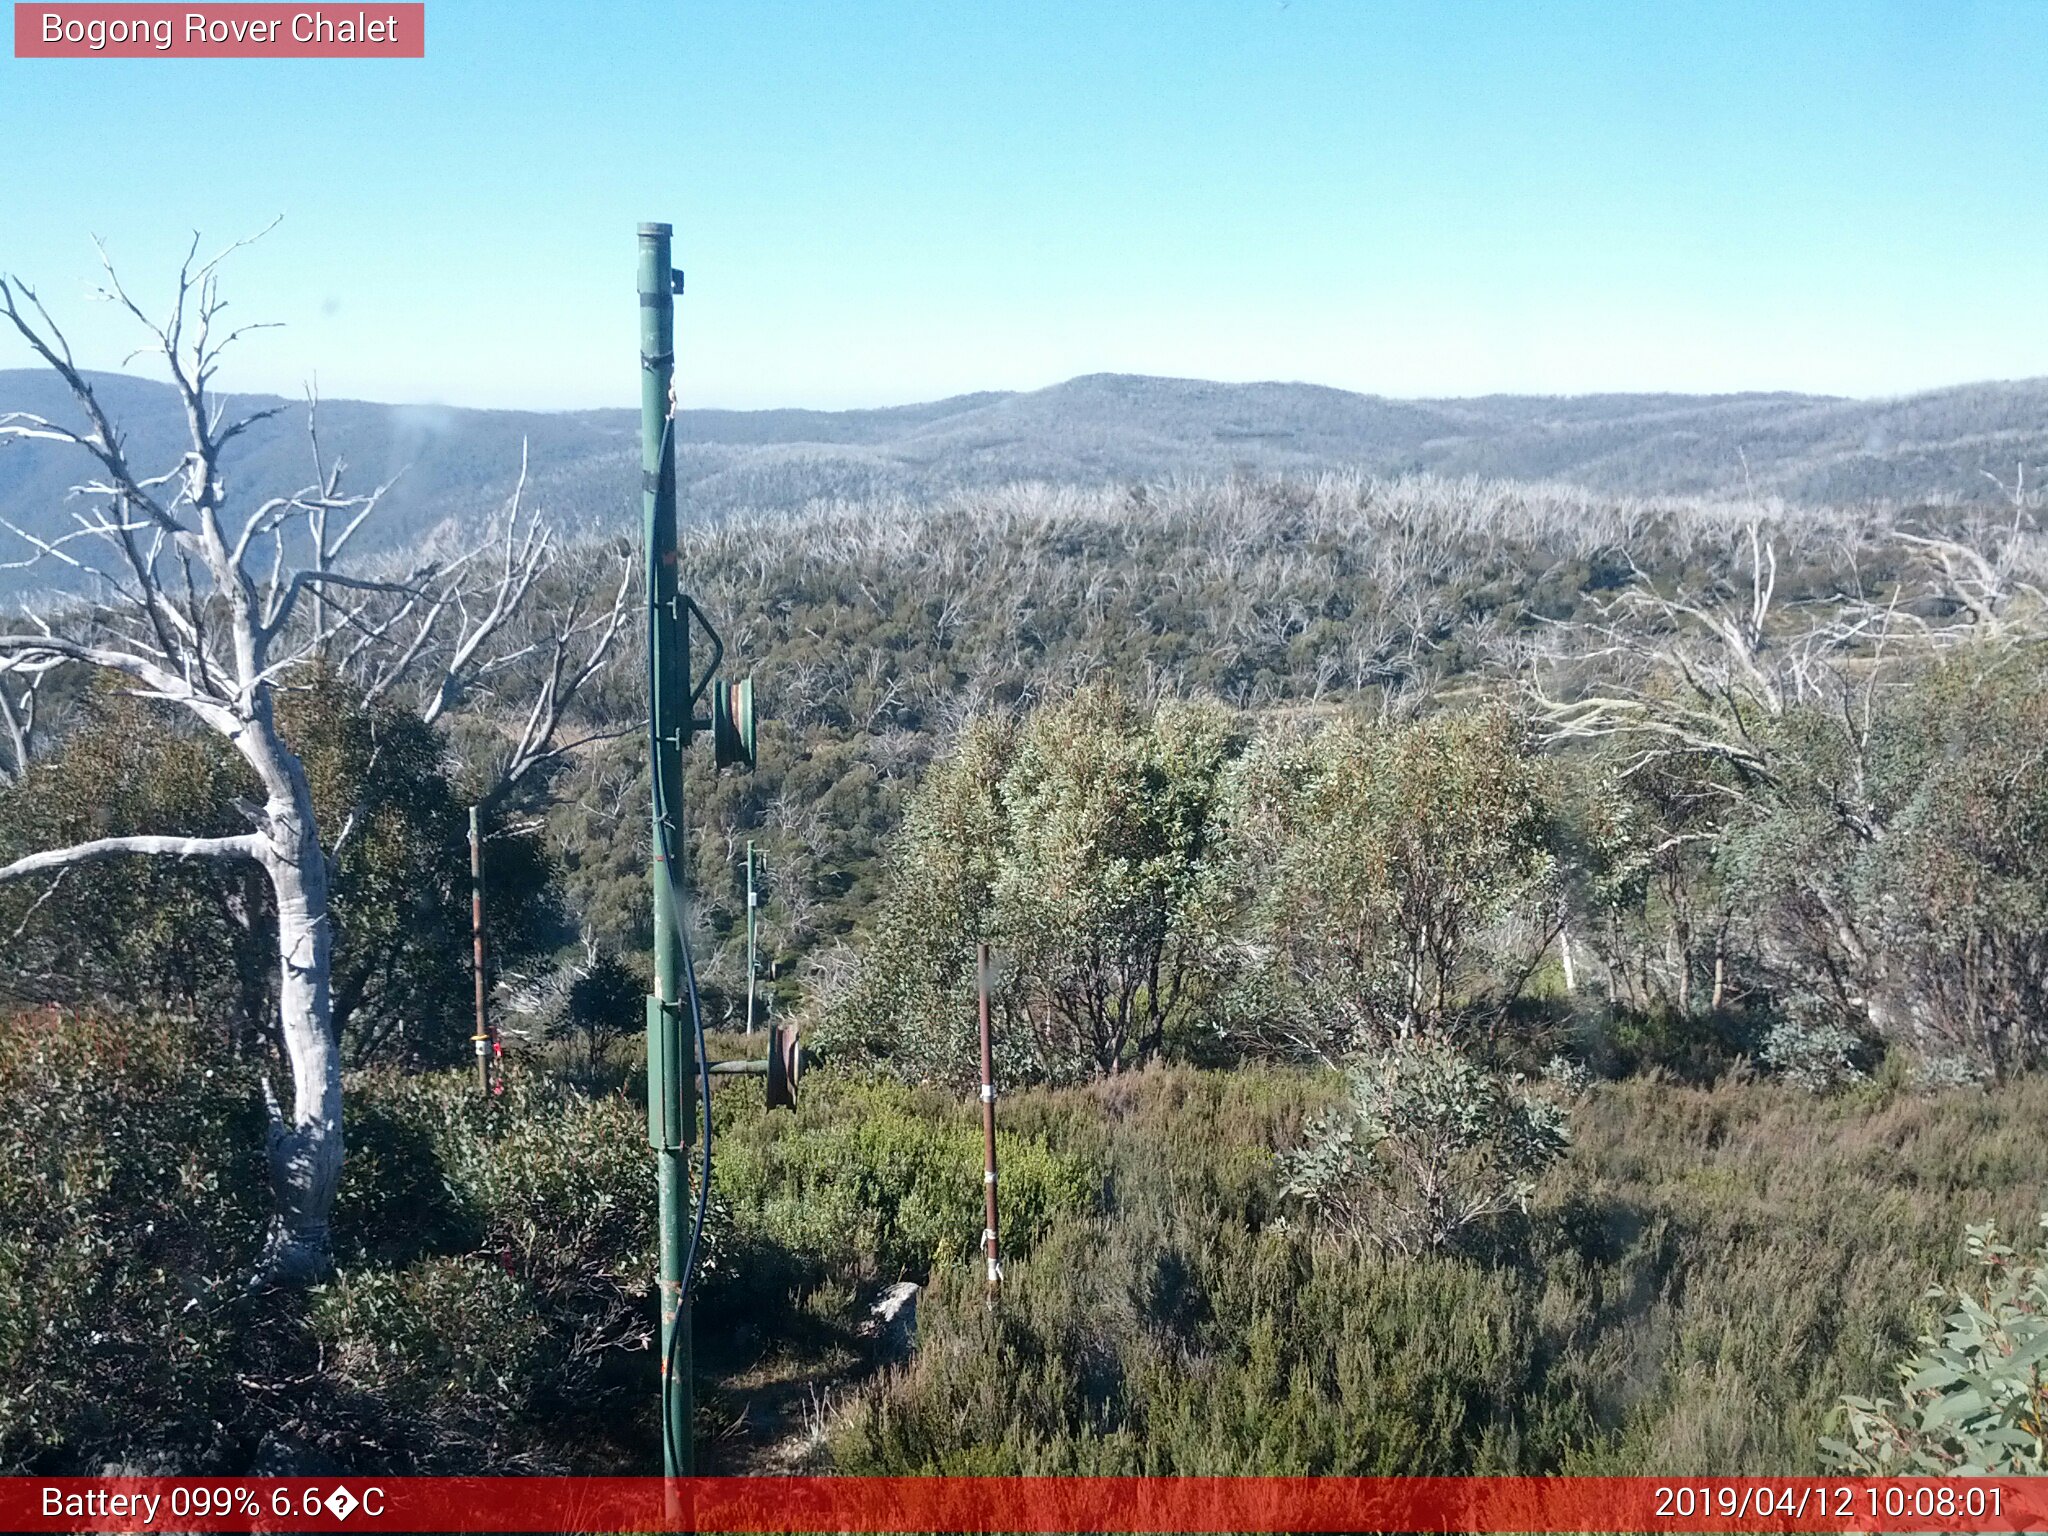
305 1148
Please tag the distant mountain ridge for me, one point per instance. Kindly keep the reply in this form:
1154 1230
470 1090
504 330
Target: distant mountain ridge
455 466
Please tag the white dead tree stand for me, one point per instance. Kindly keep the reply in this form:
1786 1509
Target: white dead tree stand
211 613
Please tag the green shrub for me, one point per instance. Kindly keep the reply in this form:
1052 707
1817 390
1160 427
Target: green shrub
550 1186
444 1336
1815 1053
131 1180
1430 1144
871 1179
1082 842
1391 879
1973 1401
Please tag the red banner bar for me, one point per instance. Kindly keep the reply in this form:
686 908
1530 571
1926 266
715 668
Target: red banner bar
373 30
1025 1504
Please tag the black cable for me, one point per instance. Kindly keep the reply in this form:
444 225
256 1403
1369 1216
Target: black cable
665 830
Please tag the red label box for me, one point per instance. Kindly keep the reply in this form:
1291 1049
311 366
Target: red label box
372 30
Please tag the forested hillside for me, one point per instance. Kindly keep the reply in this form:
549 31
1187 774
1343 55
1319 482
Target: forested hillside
450 467
1474 952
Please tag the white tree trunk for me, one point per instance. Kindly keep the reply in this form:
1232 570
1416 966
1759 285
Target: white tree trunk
190 623
305 1144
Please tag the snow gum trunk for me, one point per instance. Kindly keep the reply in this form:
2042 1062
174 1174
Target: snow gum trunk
305 1144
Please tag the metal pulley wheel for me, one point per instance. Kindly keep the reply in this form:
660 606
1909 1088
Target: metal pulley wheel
732 723
785 1065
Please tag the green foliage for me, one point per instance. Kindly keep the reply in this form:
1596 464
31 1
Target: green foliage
1662 1313
400 896
1396 879
872 1180
872 631
494 1298
1919 912
1081 843
1115 1353
455 1337
1973 1402
1818 1055
1157 1315
1142 882
605 1002
1647 904
1429 1144
184 937
198 938
548 1183
131 1180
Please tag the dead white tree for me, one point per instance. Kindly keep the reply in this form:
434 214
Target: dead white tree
20 688
1699 685
212 614
506 627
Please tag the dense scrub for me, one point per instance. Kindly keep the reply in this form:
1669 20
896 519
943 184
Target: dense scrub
874 630
1345 792
494 1302
1696 1285
197 938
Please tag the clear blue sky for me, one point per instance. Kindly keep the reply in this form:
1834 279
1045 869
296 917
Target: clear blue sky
880 201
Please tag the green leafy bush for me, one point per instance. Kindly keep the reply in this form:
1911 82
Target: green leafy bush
1391 879
130 1180
876 1180
446 1336
551 1186
1083 843
1814 1053
190 937
1973 1401
1429 1144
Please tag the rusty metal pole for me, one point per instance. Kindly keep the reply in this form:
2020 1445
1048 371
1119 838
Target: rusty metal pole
481 1040
753 908
988 1128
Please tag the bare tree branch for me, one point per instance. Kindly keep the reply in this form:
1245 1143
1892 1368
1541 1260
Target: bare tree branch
247 846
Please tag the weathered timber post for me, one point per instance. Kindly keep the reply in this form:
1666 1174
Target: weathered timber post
752 908
481 1040
988 1128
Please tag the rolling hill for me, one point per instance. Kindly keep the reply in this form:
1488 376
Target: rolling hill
454 466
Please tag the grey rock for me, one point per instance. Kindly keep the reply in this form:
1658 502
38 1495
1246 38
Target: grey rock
892 1321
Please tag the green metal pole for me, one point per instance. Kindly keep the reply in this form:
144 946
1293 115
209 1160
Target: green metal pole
671 1099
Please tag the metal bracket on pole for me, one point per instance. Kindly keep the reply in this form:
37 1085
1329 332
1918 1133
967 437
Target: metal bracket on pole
668 1078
